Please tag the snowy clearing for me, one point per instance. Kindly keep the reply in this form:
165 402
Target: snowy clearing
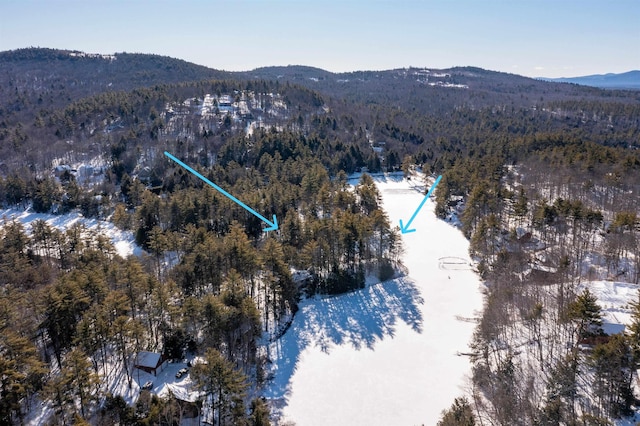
123 241
388 354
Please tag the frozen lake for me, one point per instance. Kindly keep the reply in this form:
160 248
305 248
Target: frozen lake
387 354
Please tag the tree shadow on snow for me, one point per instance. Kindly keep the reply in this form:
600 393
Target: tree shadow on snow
359 319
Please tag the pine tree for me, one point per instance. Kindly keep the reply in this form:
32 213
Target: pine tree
223 386
283 292
240 256
562 392
259 413
81 379
613 375
157 245
368 195
459 414
65 303
21 373
586 313
407 166
44 195
520 207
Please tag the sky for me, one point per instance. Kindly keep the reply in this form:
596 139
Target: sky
535 38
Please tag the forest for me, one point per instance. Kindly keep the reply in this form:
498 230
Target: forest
545 178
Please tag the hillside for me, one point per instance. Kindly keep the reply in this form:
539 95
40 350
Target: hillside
542 179
63 97
410 86
33 79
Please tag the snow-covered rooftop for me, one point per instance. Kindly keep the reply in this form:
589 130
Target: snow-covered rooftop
147 359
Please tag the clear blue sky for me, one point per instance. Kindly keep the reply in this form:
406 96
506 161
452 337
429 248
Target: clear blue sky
551 38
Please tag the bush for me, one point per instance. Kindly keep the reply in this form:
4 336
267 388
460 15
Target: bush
386 270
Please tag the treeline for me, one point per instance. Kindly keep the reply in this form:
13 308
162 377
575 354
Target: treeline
74 313
47 194
325 227
546 215
87 127
34 79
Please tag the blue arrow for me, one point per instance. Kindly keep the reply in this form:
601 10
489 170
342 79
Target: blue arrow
405 229
273 226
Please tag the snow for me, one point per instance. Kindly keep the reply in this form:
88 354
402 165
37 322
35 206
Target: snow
123 241
183 388
614 298
391 352
442 84
148 359
116 383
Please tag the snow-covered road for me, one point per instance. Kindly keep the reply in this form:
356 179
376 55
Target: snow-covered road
387 354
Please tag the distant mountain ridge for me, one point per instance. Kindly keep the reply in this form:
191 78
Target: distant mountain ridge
36 80
626 80
44 72
118 71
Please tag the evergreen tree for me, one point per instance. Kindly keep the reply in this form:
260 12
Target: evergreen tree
520 207
459 414
82 380
222 385
586 313
612 363
44 195
562 392
16 189
65 303
21 374
369 197
283 292
259 413
240 256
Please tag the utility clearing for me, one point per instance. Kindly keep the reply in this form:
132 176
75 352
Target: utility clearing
389 354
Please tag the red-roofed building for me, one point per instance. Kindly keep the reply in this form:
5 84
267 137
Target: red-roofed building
151 362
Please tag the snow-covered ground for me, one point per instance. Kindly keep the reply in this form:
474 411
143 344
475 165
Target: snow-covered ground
389 354
123 241
614 298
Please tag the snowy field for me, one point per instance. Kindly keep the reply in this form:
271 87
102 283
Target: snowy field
389 354
123 241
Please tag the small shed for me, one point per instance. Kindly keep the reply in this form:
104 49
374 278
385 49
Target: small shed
151 362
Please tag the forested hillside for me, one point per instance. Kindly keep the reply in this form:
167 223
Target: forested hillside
544 177
33 79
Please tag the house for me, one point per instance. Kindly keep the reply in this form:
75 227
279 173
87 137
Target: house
145 174
151 362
